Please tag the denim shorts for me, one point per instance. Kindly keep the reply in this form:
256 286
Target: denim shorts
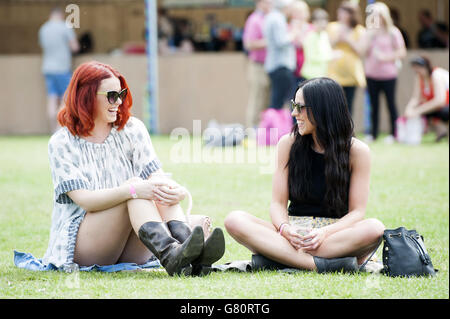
441 114
57 83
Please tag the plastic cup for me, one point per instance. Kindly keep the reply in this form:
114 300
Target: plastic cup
302 227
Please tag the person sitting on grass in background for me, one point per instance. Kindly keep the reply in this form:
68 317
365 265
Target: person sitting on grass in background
430 95
110 206
324 171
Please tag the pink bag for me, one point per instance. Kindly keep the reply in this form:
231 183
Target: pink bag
274 124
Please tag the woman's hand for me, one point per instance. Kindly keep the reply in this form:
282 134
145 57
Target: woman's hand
146 189
170 195
292 236
313 240
412 112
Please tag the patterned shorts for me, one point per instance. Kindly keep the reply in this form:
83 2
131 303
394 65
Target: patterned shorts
317 222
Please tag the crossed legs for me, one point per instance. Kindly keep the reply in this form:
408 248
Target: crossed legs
261 237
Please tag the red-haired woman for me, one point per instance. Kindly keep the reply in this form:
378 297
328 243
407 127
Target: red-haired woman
109 205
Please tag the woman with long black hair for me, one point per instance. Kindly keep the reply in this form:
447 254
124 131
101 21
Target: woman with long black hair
324 171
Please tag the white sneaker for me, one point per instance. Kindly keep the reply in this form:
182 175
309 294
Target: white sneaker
389 139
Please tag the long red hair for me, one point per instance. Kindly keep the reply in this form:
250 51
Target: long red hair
81 95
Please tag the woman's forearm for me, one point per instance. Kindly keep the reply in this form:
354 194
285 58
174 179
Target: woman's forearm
101 199
396 55
255 44
411 104
430 106
347 221
278 214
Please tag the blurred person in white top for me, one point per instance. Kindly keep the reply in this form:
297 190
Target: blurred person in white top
58 41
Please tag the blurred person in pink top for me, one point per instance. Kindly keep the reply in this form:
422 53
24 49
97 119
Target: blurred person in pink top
383 48
255 45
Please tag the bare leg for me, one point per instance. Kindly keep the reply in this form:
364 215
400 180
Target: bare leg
261 237
171 212
105 237
134 251
441 129
102 236
359 241
52 111
142 211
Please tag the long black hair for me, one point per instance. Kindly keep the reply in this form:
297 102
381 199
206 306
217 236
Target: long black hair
327 110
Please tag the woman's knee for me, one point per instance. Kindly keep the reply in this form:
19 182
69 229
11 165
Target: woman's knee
234 221
373 229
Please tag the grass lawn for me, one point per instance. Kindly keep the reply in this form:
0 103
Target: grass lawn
409 187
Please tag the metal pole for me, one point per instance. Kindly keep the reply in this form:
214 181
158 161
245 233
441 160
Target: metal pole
367 106
152 65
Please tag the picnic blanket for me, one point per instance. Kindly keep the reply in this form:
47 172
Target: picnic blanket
28 261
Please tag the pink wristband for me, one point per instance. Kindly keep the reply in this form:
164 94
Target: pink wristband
133 191
281 228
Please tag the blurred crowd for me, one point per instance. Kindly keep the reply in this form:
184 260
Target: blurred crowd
181 34
288 44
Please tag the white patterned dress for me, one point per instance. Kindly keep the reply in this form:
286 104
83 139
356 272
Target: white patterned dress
78 164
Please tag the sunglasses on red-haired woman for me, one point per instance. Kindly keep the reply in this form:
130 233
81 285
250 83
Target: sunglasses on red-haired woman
114 95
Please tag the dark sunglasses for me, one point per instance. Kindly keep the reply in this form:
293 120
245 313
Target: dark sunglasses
297 106
114 95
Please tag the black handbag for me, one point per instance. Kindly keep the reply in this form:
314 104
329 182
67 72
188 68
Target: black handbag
404 254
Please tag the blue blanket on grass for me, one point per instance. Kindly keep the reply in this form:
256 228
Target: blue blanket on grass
28 261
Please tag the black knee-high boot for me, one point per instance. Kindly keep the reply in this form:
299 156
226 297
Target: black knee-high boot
172 255
213 250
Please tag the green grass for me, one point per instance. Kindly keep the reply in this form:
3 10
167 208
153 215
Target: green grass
409 187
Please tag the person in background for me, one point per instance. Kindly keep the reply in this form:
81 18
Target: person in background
395 14
383 48
58 42
433 34
430 95
300 21
345 33
280 59
317 47
280 64
255 45
166 30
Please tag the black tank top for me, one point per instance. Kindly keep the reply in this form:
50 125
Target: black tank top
314 205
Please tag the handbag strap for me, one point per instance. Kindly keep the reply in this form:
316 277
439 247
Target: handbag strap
423 254
371 255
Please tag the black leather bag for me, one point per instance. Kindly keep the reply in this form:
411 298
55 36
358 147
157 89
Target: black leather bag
404 254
